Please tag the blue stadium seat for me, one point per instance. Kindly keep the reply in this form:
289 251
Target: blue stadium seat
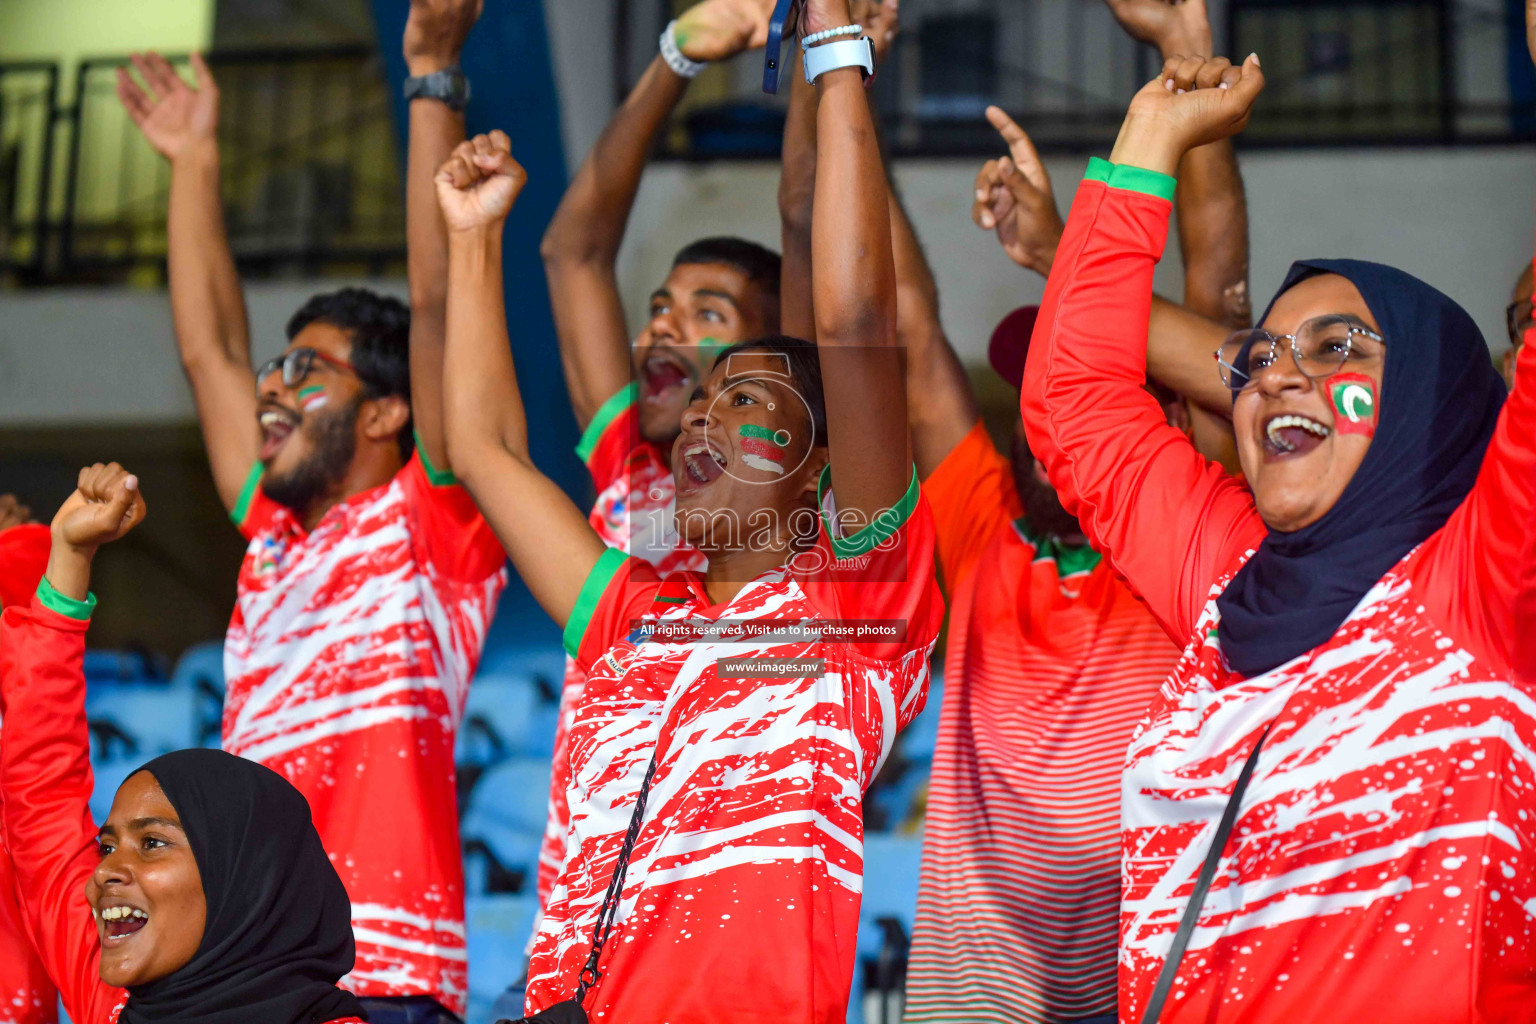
499 719
919 738
201 669
108 775
503 824
203 663
891 868
140 720
498 932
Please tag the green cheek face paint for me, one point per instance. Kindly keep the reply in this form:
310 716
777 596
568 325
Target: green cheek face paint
762 448
709 351
312 398
1354 403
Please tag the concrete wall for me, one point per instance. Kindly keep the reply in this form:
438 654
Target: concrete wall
1461 219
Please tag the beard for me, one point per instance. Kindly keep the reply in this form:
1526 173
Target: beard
1042 508
333 439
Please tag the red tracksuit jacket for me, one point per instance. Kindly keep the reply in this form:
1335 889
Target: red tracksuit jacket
1383 864
45 773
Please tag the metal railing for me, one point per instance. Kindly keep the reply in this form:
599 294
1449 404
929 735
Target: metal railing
311 174
1358 72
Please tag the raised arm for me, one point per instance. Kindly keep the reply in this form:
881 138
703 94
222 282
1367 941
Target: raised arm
1169 521
1213 239
548 537
45 769
434 36
797 200
797 178
207 306
941 408
854 288
582 242
1014 200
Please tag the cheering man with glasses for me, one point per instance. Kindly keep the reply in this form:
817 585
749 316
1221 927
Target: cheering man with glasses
370 578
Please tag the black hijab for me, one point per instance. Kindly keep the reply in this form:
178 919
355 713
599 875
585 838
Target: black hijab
1440 400
279 930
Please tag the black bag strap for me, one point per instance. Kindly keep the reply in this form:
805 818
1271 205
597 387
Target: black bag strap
1202 887
590 975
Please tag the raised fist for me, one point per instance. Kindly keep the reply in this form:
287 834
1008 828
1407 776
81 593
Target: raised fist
105 506
1014 198
478 185
1173 26
435 32
881 20
820 15
173 116
1193 101
720 29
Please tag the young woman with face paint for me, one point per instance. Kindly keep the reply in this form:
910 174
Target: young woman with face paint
1355 611
752 748
205 897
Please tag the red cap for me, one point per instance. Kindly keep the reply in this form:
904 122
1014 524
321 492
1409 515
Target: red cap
1010 344
23 560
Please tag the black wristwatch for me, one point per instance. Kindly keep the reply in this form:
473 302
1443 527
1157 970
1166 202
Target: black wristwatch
447 86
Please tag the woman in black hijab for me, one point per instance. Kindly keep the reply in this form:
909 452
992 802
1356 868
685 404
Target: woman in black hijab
1329 811
205 898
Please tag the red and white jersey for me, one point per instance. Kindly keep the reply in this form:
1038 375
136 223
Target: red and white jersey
633 513
1051 662
1383 862
348 661
748 867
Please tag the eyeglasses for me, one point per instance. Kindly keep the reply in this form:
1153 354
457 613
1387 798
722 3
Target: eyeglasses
1320 346
296 365
1517 318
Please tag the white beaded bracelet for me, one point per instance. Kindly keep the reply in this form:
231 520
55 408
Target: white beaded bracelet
831 33
674 56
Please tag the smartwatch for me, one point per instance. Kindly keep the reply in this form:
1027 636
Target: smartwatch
447 86
845 53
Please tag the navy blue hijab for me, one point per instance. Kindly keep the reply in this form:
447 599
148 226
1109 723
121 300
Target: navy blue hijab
278 934
1440 401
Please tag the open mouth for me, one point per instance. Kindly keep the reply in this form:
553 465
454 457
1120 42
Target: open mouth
703 464
660 375
1291 435
276 426
120 922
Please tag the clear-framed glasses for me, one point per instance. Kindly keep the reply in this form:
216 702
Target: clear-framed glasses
1518 317
296 364
1320 346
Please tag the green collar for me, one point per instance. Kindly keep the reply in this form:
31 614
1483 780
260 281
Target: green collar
1071 560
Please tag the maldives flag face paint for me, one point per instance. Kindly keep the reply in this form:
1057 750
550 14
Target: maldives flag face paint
1354 403
312 398
762 448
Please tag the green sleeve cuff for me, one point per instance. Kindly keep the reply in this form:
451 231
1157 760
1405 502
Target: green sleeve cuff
606 414
608 565
1098 170
247 495
65 606
436 477
1139 179
884 526
1132 179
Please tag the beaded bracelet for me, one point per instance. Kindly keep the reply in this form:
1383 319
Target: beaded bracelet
674 56
831 33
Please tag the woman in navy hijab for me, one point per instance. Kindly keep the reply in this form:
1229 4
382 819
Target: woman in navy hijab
1345 756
